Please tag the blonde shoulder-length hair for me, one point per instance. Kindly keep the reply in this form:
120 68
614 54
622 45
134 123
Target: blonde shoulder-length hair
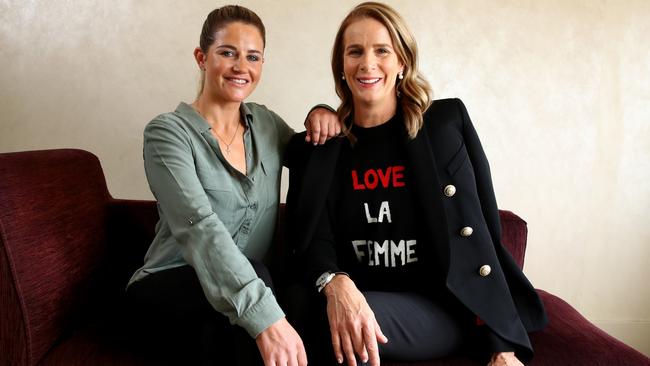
414 91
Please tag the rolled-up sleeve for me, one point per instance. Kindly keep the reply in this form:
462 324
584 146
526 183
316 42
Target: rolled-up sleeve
228 280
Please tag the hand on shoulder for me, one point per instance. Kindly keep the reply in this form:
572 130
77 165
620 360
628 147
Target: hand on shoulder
322 124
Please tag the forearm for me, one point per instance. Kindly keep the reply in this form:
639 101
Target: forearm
228 280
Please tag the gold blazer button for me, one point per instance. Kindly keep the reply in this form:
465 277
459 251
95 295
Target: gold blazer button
450 190
484 270
466 231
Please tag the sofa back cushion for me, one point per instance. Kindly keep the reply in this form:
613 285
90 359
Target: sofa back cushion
52 234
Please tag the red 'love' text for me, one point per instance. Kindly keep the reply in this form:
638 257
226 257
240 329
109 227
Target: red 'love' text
372 178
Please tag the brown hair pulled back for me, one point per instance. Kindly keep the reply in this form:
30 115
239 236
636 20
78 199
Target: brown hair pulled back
221 17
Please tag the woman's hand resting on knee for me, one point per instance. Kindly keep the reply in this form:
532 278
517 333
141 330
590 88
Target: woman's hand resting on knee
352 323
280 344
505 359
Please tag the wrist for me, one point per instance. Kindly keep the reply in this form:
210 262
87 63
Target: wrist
335 284
317 106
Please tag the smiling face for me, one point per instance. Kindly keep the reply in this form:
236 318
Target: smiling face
233 62
370 64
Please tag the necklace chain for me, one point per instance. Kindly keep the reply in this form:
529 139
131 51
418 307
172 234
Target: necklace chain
232 139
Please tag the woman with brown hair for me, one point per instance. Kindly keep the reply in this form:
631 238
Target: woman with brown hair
399 246
214 167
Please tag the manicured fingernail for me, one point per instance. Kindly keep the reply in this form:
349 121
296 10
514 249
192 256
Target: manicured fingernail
339 360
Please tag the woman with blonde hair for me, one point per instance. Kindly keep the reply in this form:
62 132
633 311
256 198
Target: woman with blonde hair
399 236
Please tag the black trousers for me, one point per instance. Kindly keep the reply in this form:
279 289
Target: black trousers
418 327
172 318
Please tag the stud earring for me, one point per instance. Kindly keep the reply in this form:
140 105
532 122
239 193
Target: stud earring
342 76
400 75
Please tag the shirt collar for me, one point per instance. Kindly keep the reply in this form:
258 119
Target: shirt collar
246 112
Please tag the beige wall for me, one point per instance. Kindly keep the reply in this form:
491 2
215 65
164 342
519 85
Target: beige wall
559 92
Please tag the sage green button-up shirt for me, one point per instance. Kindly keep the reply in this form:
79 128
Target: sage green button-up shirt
213 217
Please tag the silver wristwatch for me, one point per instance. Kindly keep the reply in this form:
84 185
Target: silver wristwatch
326 278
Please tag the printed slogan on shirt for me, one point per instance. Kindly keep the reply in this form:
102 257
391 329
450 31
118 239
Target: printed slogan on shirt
383 252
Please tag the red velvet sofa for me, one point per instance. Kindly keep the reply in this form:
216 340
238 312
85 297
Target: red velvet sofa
67 249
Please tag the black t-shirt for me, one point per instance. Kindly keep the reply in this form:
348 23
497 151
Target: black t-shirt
373 213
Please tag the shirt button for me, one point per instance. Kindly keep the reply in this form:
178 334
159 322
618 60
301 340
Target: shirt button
485 270
466 231
253 206
450 190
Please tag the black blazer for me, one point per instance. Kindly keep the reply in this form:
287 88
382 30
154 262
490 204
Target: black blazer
446 151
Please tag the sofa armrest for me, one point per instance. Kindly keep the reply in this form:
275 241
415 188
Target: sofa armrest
13 332
514 234
52 229
569 338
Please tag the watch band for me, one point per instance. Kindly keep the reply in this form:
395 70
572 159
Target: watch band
326 278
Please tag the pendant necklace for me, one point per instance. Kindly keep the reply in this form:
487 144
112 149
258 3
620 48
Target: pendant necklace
231 139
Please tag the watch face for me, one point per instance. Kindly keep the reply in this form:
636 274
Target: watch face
322 279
